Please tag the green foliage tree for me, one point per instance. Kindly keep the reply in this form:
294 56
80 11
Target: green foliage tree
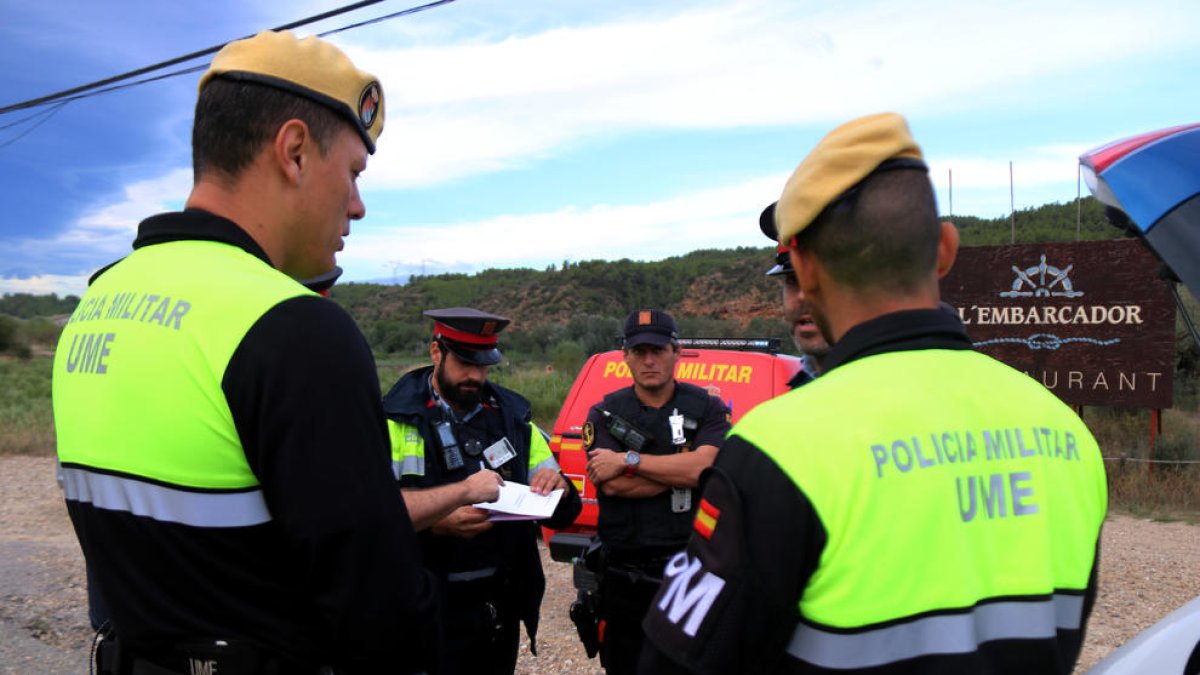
1083 221
403 337
701 326
770 327
8 332
593 333
27 305
567 356
41 331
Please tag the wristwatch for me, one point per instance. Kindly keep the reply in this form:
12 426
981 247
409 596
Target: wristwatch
633 459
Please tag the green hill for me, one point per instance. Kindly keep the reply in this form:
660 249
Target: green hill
710 292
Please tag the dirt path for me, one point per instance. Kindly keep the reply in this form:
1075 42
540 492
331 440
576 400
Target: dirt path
1147 570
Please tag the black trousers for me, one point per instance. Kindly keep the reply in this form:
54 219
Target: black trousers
481 631
622 604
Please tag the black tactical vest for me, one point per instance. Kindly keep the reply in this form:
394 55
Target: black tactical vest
651 524
494 548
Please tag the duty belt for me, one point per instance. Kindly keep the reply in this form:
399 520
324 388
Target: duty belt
641 559
218 657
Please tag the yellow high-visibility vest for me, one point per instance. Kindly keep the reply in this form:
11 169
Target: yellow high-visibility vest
138 402
961 499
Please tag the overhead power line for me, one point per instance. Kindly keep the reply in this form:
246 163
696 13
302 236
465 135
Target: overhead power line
45 116
101 86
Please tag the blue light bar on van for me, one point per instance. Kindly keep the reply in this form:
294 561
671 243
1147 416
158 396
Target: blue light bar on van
769 345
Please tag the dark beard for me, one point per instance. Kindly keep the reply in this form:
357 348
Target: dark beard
459 398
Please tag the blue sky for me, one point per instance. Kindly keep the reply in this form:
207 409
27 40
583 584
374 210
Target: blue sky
522 133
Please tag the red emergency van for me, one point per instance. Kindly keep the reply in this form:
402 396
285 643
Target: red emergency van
741 372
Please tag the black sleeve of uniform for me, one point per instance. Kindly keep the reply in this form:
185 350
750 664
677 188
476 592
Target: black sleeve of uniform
765 545
569 506
715 425
305 397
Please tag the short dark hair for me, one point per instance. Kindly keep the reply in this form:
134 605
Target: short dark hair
883 234
234 118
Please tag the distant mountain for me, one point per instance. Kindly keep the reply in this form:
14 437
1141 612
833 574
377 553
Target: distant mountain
710 292
716 292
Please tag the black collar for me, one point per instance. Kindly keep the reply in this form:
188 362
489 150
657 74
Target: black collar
196 224
900 331
190 225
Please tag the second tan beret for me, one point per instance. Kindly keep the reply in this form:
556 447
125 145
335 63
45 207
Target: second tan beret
840 161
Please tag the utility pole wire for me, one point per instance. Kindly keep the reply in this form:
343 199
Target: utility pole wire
44 114
83 91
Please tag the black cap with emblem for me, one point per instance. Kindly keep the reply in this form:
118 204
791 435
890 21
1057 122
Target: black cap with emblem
322 283
650 326
766 223
470 334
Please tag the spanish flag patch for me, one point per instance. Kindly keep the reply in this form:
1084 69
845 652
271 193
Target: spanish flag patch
706 519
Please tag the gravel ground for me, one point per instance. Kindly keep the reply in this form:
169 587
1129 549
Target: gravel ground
1148 569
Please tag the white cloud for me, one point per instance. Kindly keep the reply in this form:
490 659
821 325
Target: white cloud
140 199
97 238
717 218
720 217
45 284
981 185
460 108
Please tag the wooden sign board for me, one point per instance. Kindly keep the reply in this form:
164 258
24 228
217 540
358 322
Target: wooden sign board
1092 321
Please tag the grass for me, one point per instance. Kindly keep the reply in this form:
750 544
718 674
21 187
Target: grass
1154 491
1161 491
26 417
1144 482
546 388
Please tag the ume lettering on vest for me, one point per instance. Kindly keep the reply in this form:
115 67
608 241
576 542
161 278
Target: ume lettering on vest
995 496
202 667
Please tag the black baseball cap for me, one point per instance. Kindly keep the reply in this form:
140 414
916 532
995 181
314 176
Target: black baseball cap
322 283
766 223
650 327
471 334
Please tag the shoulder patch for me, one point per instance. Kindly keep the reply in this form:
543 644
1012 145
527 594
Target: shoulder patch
589 435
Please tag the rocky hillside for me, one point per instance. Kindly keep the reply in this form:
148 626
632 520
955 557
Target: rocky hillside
726 286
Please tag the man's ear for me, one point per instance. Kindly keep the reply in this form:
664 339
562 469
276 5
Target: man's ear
947 249
435 352
291 147
805 264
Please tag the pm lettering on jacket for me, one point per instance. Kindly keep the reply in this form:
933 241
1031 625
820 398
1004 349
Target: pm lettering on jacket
685 600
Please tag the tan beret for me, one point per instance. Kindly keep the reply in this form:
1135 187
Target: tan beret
309 67
840 161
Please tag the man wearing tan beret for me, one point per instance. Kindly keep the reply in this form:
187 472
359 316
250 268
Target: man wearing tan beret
920 507
224 454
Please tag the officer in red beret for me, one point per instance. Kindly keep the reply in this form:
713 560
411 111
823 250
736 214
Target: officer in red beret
456 437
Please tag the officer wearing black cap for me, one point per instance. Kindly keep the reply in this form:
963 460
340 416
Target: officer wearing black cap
647 445
805 335
455 438
322 283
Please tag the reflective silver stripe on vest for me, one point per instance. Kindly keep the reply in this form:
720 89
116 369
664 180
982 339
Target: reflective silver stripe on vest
549 463
943 634
472 575
199 509
411 465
